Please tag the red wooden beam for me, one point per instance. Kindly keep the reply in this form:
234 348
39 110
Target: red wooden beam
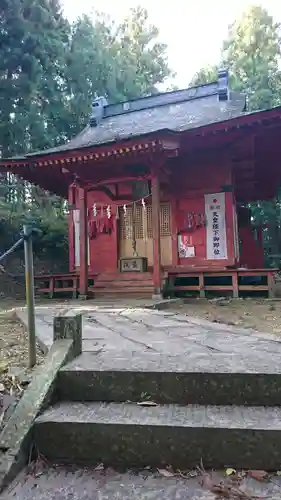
71 235
117 180
83 288
155 192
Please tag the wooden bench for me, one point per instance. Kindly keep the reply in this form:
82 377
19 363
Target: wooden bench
234 276
52 284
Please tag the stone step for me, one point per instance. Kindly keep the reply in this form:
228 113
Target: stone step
139 291
126 284
123 276
212 379
130 435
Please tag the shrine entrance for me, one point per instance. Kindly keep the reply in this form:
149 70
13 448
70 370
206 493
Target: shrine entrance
136 225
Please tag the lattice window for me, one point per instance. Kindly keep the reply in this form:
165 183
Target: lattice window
165 220
126 223
148 215
139 222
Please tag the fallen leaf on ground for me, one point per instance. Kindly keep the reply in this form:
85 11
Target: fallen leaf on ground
99 467
3 366
165 473
222 490
147 403
278 473
259 475
230 472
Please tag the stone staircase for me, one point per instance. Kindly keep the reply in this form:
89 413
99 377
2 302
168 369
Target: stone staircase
123 284
163 411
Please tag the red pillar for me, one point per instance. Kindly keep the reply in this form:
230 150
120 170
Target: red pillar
83 279
155 192
174 225
71 238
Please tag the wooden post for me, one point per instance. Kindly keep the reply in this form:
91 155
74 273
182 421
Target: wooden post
174 235
235 285
202 294
69 327
30 300
271 285
71 236
83 208
155 191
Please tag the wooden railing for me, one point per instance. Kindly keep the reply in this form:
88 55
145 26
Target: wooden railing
205 281
60 284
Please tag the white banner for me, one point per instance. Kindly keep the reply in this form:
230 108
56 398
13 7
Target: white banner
76 222
215 226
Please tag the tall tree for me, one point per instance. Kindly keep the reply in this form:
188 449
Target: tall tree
252 53
142 59
120 62
205 75
32 40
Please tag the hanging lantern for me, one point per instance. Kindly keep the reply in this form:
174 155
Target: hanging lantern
143 204
108 211
125 210
94 209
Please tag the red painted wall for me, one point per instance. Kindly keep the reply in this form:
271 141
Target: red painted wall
252 254
192 188
103 249
198 236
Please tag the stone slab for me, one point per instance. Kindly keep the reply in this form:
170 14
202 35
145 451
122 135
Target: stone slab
135 436
85 484
222 417
195 379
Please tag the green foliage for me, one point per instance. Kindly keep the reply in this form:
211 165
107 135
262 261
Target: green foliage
252 54
205 75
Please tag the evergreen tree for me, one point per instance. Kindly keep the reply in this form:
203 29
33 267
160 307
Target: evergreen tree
252 53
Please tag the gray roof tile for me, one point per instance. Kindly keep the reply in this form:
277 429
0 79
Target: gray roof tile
182 116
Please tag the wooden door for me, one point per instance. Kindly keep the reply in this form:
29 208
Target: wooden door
143 233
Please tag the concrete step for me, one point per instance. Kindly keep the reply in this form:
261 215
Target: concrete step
133 436
210 379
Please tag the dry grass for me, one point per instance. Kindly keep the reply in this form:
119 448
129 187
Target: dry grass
260 314
14 372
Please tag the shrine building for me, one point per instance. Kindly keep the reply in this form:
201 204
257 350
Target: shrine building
158 191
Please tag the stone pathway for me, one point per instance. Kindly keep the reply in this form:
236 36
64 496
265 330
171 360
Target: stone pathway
117 327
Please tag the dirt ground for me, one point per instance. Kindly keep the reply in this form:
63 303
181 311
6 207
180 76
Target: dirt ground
263 315
14 372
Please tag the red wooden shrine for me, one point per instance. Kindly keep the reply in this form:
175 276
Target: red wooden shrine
158 191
